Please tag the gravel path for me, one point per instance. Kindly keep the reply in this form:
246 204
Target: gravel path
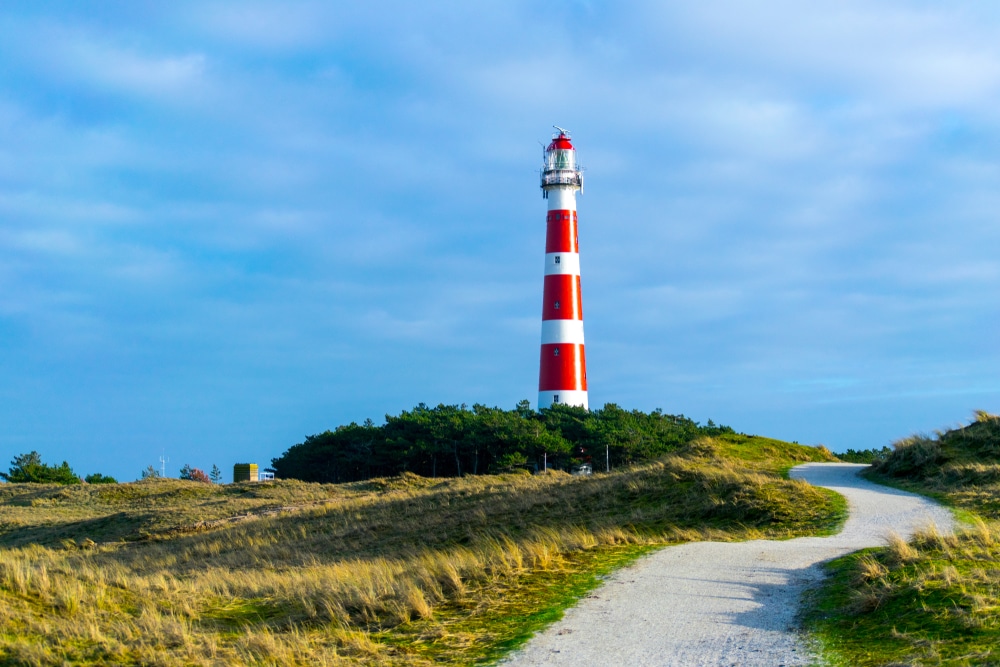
724 603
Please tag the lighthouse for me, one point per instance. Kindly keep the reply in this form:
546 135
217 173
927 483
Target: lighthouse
562 376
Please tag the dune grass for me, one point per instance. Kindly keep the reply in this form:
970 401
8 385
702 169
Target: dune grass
936 599
404 570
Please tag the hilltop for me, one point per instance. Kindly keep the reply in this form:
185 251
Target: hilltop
395 570
961 466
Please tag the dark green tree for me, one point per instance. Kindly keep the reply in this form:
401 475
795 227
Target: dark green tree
28 468
98 478
215 474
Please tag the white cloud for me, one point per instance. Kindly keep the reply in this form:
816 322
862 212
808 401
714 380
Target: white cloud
898 52
82 57
49 242
293 26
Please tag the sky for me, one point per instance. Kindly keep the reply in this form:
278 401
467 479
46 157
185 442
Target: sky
225 226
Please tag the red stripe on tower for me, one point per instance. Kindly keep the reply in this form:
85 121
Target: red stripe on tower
560 235
561 299
562 375
563 368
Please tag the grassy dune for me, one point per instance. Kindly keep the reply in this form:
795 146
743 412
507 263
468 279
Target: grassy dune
405 570
935 600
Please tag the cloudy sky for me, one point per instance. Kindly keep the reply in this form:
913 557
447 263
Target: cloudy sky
225 226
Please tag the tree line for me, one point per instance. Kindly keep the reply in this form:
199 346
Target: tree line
30 469
872 455
454 440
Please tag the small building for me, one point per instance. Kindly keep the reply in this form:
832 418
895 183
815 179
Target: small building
245 472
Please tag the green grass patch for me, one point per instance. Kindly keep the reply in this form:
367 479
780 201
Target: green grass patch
931 602
835 513
774 455
233 614
936 599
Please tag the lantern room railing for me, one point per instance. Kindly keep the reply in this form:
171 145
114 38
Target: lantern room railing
562 177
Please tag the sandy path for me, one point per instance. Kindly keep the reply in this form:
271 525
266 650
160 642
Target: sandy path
734 603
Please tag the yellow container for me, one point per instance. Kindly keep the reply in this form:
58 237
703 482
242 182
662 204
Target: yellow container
245 472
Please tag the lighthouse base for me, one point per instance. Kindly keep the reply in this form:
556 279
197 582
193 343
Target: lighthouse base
567 397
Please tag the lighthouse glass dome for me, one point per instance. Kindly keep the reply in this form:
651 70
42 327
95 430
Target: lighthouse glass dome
559 164
560 159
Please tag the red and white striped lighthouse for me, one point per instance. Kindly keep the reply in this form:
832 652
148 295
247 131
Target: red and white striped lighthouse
562 376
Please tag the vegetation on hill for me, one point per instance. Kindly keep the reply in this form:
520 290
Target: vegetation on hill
960 466
390 571
451 440
194 474
865 455
98 478
28 468
935 600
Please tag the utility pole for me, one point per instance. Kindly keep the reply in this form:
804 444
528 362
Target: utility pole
163 464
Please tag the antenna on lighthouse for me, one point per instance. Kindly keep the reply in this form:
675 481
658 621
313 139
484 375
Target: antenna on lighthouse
562 130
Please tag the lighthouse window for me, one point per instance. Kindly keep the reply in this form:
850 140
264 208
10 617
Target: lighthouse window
557 259
555 352
555 398
556 306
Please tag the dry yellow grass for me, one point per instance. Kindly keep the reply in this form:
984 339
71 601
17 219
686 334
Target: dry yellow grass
406 570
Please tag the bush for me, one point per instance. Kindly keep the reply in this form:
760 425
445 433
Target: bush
98 478
194 474
151 473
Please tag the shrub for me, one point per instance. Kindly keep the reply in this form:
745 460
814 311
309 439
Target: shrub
150 472
98 478
194 474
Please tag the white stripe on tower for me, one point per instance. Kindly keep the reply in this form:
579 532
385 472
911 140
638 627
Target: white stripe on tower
562 375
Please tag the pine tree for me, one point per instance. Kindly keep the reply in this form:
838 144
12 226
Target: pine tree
28 468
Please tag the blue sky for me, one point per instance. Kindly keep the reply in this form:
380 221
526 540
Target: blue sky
225 226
